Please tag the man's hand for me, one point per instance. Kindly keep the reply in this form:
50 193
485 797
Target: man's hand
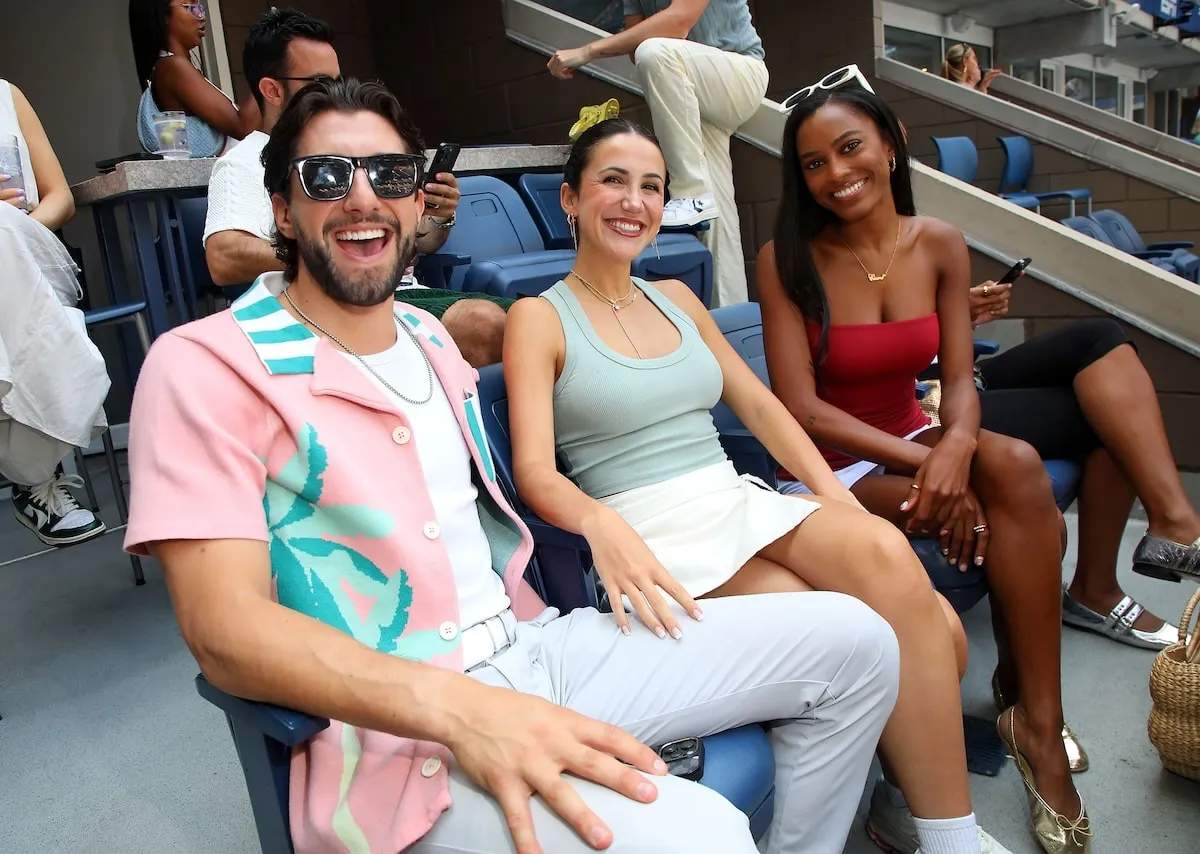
516 745
989 301
564 62
441 195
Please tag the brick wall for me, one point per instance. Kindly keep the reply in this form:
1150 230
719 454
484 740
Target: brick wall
1156 212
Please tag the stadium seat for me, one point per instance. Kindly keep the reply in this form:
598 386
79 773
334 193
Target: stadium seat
958 158
1088 226
1125 237
1018 168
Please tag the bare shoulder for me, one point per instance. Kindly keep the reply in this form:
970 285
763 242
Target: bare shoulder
534 322
936 233
766 255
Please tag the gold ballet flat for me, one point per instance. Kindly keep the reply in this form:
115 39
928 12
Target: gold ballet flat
1077 758
1055 833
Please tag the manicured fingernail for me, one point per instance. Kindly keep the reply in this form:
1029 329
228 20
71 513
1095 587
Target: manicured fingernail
596 835
660 631
945 551
904 506
624 630
645 791
659 767
945 533
677 633
697 615
949 560
979 561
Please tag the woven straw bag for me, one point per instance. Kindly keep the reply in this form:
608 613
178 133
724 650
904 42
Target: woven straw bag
1175 690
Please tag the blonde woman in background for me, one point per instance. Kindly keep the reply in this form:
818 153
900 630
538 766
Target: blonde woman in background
961 65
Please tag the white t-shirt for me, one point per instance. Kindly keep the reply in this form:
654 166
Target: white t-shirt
447 465
237 197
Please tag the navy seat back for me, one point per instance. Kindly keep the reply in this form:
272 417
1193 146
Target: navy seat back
491 222
541 192
957 157
1018 164
1088 225
1120 231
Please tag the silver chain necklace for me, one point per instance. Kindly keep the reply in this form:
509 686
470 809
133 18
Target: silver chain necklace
362 361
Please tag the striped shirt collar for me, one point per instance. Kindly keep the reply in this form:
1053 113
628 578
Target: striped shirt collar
285 345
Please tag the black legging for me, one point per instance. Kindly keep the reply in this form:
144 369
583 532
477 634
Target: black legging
1029 390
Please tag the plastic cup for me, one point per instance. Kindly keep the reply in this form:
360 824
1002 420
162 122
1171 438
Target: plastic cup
170 128
10 163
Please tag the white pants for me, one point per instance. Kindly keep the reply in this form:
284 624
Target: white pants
821 666
53 380
699 96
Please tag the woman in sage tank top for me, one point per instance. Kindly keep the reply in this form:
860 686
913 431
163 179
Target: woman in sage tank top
616 377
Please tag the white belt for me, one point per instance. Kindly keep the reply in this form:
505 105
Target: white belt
483 640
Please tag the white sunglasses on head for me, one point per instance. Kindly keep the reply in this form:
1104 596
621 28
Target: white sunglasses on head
832 80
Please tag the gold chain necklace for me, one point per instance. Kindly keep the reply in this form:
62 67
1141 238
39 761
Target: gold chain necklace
877 277
615 304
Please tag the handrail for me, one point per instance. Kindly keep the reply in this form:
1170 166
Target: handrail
1158 303
1076 140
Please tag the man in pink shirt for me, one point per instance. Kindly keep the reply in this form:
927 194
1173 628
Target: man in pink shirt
309 467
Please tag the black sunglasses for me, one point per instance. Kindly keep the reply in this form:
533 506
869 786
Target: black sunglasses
313 78
328 177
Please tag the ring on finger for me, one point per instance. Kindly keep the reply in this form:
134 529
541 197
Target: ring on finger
987 289
915 486
979 529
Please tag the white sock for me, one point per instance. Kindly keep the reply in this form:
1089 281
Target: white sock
948 835
895 797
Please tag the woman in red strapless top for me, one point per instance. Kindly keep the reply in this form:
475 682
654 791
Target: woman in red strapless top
858 294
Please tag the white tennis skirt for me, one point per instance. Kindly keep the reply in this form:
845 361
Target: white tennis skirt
703 526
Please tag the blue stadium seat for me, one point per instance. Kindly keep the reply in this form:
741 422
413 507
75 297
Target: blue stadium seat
958 158
1018 168
1088 226
738 763
1125 237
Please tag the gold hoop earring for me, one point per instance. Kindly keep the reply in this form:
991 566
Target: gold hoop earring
892 163
574 234
655 242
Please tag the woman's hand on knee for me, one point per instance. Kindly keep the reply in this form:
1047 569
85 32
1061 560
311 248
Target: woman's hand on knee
965 536
627 567
938 486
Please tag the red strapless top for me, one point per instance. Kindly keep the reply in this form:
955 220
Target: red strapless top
870 372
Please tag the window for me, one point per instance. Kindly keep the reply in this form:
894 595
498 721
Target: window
1029 72
916 49
605 14
1139 102
1078 85
1105 93
1049 77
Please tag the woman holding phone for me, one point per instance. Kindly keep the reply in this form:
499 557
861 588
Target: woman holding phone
1081 392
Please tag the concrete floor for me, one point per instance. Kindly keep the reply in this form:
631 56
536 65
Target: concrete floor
105 747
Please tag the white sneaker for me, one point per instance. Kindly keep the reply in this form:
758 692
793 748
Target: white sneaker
678 213
52 513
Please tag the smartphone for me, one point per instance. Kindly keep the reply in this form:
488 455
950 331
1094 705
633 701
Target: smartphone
684 758
1014 271
443 161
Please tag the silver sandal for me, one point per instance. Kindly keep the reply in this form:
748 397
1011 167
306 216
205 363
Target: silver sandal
1118 625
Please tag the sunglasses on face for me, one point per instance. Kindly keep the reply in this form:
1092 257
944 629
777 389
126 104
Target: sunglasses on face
832 80
328 177
312 78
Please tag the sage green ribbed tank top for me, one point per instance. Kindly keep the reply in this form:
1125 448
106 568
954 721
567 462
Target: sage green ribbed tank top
622 422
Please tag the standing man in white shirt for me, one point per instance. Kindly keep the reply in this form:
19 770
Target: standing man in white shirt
284 51
701 66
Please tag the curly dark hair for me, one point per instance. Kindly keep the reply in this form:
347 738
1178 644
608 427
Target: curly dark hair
265 51
347 95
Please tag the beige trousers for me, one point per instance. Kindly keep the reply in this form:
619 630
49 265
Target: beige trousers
699 96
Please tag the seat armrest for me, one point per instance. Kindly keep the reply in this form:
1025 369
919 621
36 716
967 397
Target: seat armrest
434 270
984 347
286 726
1148 254
1171 245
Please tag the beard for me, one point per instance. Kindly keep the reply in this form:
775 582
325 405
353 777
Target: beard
368 287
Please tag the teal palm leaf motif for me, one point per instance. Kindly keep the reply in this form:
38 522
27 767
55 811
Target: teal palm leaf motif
315 571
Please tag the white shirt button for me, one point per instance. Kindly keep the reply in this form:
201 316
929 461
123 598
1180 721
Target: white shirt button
431 766
432 530
448 630
401 435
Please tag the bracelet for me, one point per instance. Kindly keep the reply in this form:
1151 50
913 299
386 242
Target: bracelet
442 223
